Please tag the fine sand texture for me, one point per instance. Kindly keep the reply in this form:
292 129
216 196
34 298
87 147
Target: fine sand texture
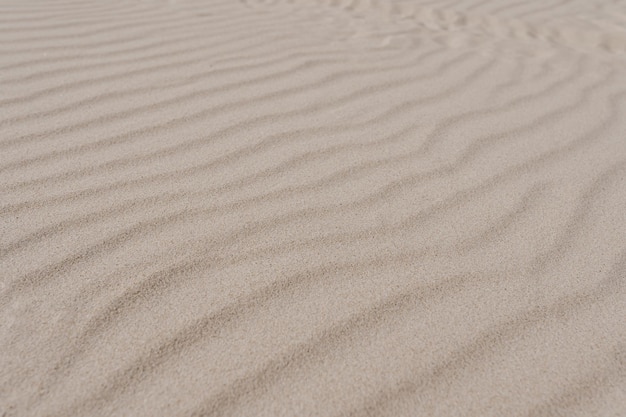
313 208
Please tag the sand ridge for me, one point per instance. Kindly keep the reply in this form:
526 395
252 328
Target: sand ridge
330 207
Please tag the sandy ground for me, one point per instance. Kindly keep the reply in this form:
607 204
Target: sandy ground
312 208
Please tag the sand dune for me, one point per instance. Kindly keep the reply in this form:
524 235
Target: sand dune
325 208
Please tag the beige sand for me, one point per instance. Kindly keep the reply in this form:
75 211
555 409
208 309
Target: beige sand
313 208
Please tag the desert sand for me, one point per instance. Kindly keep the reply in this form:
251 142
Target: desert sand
312 208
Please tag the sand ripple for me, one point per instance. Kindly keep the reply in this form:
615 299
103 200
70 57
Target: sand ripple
294 207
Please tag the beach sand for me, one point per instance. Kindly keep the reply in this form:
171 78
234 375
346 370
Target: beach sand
312 208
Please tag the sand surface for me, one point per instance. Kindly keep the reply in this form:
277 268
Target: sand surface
313 208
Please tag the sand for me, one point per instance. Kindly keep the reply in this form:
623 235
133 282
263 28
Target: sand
312 208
